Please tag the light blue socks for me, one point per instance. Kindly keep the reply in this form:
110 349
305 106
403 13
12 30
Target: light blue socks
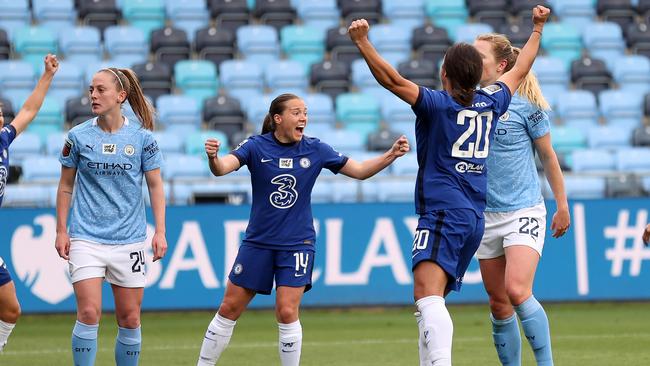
536 328
84 344
127 346
507 340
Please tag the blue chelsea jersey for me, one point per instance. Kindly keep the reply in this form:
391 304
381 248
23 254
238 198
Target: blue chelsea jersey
107 206
453 143
513 182
282 177
7 136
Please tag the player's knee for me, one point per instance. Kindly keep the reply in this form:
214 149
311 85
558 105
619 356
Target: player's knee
517 293
130 320
500 307
10 314
230 310
286 313
88 314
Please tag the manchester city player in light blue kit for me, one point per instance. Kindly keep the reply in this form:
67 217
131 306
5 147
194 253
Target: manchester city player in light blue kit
453 130
105 237
280 238
9 306
515 217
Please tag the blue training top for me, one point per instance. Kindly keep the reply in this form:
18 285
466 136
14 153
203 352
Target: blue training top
513 182
107 206
453 142
282 176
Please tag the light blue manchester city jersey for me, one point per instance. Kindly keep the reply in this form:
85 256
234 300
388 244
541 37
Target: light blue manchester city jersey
513 182
107 206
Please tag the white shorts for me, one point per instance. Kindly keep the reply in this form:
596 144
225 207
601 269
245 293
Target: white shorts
121 264
526 226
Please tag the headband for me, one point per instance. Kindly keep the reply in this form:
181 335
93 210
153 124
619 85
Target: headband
118 78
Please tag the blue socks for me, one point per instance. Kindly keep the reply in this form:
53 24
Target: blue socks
536 328
127 346
507 340
84 344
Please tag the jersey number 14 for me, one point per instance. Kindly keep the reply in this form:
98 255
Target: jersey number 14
475 127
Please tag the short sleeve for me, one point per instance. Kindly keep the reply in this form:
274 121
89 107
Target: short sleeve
500 94
537 122
332 159
151 154
425 105
69 156
7 136
243 151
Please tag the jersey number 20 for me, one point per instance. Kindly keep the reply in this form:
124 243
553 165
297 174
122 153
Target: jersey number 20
475 128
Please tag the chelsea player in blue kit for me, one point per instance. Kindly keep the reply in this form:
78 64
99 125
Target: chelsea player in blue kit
280 237
104 159
453 131
9 306
515 217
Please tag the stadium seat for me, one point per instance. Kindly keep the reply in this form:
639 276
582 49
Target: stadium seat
216 45
56 15
81 45
517 33
78 110
393 42
363 79
646 105
578 13
196 78
344 141
552 73
345 190
577 106
322 192
340 46
620 106
100 14
592 160
224 113
357 107
241 74
257 108
382 140
41 169
127 45
178 111
15 15
524 8
604 40
404 13
395 111
330 77
468 32
320 108
591 74
430 42
448 14
33 43
584 187
609 137
5 45
357 9
184 167
617 11
319 14
562 40
369 190
285 74
50 113
229 14
624 185
635 159
37 195
169 143
396 191
7 110
24 145
566 139
276 13
420 71
145 15
68 82
170 45
258 43
638 37
303 44
188 15
641 136
155 78
195 142
632 73
54 143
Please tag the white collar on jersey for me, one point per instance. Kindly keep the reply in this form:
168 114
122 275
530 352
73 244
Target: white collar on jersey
126 121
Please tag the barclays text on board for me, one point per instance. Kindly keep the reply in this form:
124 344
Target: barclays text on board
362 257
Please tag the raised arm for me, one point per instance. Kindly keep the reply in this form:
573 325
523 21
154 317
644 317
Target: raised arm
35 100
516 75
370 167
384 73
220 166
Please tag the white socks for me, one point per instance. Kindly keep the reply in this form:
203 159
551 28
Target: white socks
437 330
422 347
290 343
5 331
216 339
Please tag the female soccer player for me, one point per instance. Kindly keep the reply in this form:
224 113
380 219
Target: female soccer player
515 218
108 155
280 238
454 128
9 306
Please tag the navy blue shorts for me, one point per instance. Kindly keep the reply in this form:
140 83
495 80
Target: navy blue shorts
448 238
256 268
5 277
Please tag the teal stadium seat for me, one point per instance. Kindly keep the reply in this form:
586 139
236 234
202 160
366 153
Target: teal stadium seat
33 43
359 112
566 139
305 44
146 15
15 15
562 40
188 15
195 142
196 78
448 14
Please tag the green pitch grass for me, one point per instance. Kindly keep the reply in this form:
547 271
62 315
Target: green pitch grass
583 334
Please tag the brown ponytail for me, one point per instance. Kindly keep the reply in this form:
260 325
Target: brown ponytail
127 80
463 65
277 107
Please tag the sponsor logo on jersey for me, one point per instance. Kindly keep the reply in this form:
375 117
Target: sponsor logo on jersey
101 168
536 117
129 150
286 163
151 149
305 163
504 117
491 89
465 167
67 147
109 149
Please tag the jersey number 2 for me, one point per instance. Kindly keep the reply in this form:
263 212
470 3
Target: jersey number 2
475 126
